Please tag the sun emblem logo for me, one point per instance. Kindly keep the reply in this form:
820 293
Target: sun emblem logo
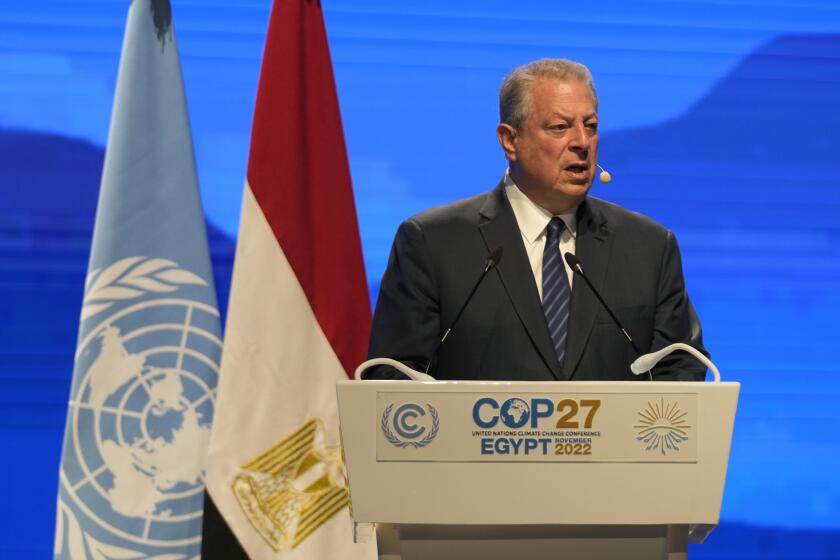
662 426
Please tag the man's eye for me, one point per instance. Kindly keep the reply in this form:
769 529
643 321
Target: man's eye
558 126
592 126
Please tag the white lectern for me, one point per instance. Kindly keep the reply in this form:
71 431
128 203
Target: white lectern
594 470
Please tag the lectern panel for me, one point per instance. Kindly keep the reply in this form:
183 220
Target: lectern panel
584 427
417 452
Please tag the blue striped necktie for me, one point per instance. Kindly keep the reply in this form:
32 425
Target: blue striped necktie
557 296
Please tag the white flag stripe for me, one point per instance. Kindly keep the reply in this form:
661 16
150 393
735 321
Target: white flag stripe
273 346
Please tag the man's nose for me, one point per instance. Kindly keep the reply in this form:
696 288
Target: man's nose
580 141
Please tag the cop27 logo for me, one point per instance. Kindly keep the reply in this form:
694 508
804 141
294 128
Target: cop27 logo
412 425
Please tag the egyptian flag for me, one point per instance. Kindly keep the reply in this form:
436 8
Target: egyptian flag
299 317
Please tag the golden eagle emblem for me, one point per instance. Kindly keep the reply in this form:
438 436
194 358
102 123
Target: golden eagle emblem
294 487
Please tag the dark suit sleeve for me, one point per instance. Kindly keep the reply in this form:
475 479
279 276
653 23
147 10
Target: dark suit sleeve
406 323
675 320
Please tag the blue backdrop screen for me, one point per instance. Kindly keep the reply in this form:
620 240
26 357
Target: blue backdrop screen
718 119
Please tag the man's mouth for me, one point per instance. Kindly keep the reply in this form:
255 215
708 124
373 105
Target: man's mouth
577 168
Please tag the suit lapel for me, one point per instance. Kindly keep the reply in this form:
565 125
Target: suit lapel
593 246
499 228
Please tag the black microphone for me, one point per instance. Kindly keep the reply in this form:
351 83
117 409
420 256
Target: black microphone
489 264
574 264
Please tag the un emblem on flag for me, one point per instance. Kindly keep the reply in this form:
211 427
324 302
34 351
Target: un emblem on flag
140 412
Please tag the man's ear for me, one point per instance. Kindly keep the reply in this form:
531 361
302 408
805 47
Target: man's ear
507 137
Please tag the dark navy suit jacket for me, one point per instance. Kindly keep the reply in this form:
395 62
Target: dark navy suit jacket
438 255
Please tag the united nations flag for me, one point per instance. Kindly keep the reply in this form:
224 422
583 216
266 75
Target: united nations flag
146 365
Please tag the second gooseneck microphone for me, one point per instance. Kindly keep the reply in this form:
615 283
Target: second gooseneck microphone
491 262
574 264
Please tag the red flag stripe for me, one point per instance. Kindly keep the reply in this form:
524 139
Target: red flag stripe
300 177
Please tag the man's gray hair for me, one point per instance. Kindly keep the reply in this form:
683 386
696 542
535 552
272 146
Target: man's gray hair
514 95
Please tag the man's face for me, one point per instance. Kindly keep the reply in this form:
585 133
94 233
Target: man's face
552 156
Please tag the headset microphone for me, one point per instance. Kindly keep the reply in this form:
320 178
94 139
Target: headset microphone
605 176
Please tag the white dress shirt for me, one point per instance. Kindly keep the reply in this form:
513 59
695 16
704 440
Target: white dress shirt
533 223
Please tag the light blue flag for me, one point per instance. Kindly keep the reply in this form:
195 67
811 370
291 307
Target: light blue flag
146 365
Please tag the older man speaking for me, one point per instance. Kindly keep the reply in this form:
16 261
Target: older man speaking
529 318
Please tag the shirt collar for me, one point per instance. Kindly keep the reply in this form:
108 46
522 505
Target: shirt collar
532 218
